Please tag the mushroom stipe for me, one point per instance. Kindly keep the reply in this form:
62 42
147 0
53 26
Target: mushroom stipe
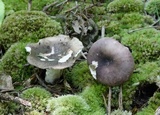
110 63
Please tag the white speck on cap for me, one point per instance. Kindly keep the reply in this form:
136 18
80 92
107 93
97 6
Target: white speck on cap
92 68
28 49
66 57
43 59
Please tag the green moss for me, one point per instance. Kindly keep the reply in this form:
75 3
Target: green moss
153 7
148 19
79 76
125 6
68 105
2 9
35 112
38 97
153 104
12 6
94 97
3 108
147 72
13 63
120 112
8 107
29 26
118 22
132 20
112 27
145 44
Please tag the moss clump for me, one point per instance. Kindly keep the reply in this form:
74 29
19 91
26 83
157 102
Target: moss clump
27 26
153 7
120 112
94 98
118 22
1 11
3 108
13 63
125 6
9 107
145 44
68 105
113 28
132 20
38 97
143 73
79 76
35 112
12 6
153 104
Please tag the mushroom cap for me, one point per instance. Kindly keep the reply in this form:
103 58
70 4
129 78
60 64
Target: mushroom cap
56 52
110 62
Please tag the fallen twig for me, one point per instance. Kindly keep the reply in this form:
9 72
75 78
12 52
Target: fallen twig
8 97
43 84
54 4
138 29
50 5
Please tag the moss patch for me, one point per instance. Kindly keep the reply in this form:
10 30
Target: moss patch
38 97
145 44
118 6
27 26
14 61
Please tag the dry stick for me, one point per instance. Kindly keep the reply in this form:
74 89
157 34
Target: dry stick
152 26
109 100
120 98
72 8
48 6
83 55
18 100
43 84
54 4
105 103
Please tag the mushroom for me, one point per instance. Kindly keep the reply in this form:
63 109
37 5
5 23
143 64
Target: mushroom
54 54
111 64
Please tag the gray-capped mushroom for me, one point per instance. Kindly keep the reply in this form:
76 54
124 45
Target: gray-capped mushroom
53 54
110 63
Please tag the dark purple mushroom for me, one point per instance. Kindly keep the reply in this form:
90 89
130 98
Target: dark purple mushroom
110 63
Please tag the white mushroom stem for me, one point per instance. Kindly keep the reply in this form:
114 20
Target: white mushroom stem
52 75
109 101
120 99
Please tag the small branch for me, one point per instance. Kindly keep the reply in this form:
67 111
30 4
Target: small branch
152 26
105 102
83 55
138 29
54 4
156 22
43 84
50 5
18 100
72 8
